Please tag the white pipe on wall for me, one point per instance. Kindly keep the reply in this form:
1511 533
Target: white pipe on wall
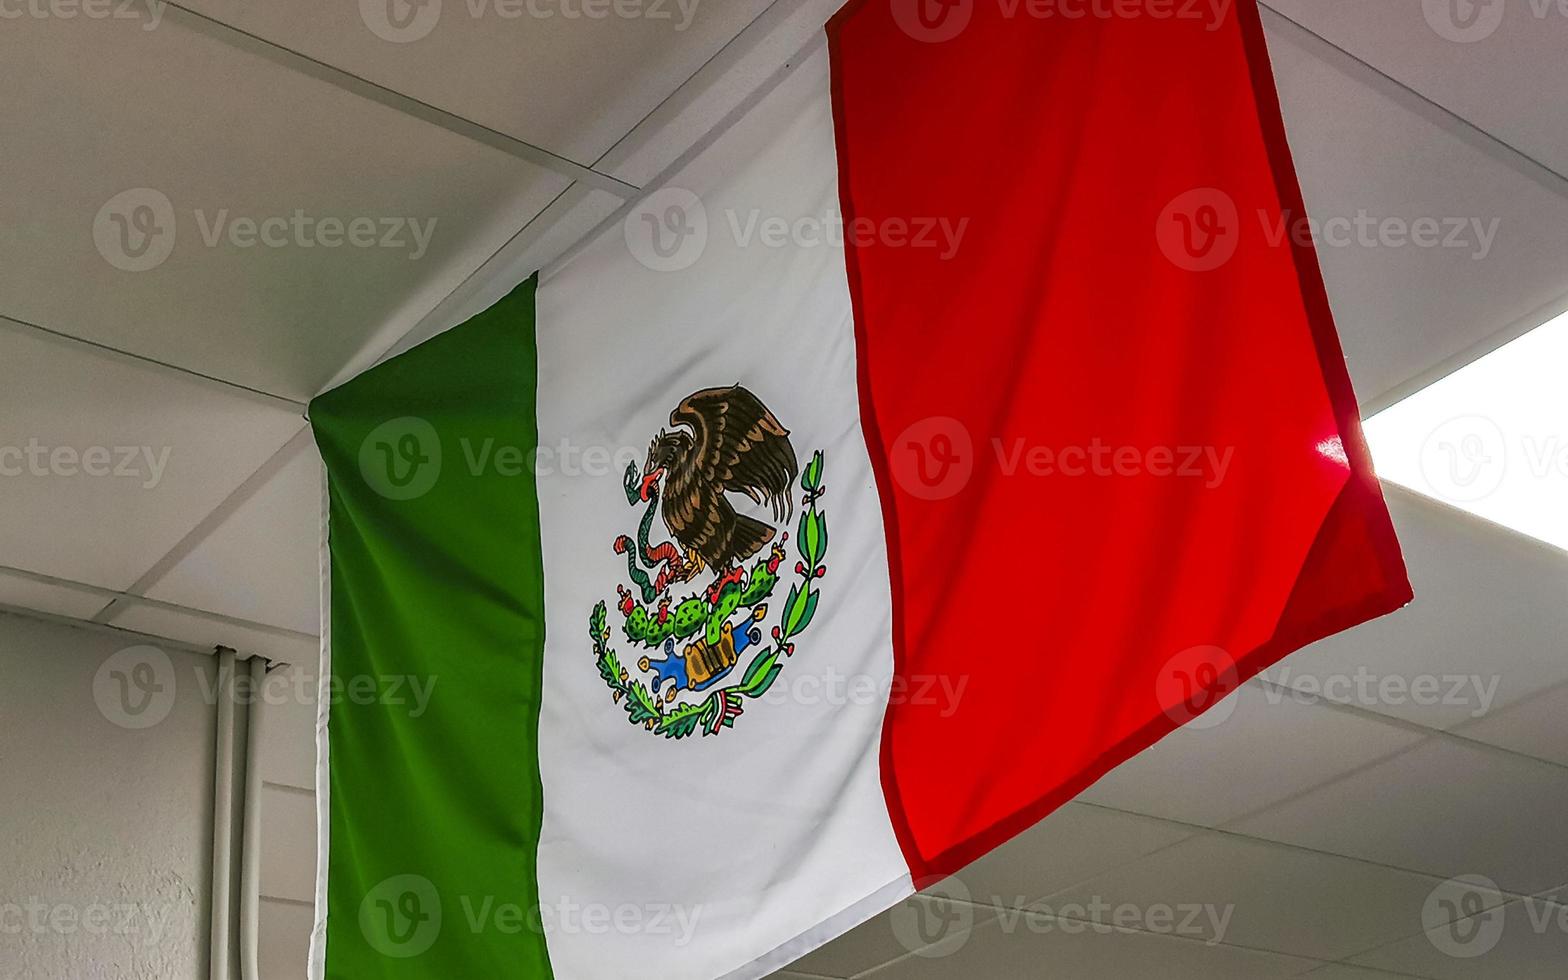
223 820
250 842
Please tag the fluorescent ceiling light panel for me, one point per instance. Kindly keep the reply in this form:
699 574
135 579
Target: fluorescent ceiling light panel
1491 438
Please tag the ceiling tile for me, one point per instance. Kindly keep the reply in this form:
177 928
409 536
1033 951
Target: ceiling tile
1264 746
207 207
263 562
1044 947
57 599
539 71
1537 726
1403 307
1445 808
206 631
1264 896
1490 62
1487 628
1073 844
1527 940
109 464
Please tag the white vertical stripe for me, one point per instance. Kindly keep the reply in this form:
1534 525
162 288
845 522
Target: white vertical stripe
318 932
773 835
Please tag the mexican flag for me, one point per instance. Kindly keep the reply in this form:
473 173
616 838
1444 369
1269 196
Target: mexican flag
943 433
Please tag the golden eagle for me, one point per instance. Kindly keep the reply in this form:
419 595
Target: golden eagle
723 440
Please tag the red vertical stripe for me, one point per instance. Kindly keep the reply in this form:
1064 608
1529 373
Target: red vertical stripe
1103 394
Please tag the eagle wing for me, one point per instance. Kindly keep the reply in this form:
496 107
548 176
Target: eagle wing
740 446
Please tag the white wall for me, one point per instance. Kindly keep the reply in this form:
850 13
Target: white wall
106 808
105 825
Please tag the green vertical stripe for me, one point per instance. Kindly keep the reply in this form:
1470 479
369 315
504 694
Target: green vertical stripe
437 641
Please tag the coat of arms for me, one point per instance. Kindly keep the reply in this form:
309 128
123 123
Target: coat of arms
695 605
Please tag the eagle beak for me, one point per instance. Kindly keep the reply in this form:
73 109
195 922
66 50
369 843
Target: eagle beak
650 483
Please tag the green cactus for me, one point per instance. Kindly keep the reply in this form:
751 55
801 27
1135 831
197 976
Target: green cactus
689 616
759 585
642 625
729 601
